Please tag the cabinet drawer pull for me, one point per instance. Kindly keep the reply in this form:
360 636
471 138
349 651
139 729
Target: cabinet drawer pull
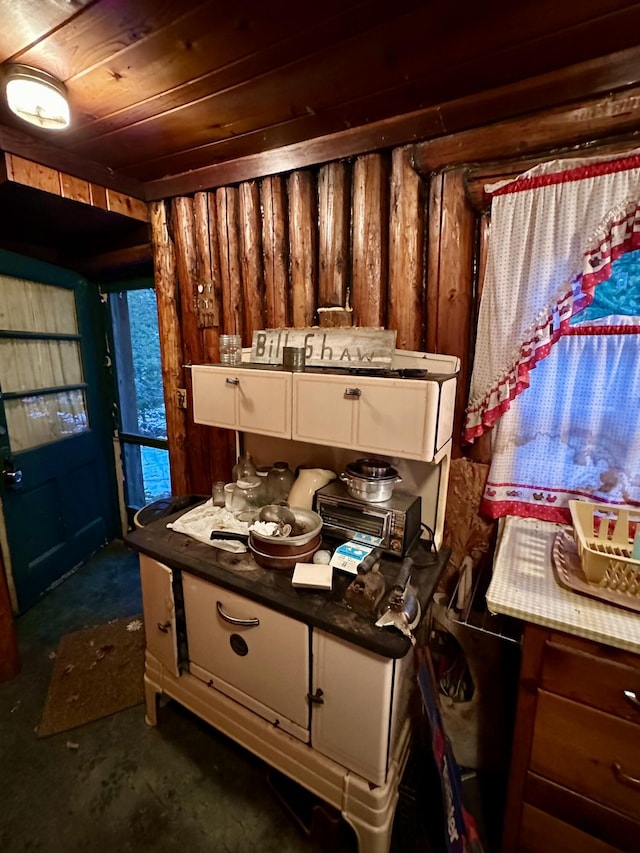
316 698
232 380
232 620
352 392
632 698
621 776
164 627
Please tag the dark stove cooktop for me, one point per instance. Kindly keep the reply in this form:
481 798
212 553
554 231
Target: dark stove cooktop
325 609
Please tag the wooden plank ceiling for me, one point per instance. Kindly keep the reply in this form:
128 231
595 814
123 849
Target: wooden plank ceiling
160 88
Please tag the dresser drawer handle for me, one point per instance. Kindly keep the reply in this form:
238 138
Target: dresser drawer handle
621 776
164 627
232 381
232 620
632 698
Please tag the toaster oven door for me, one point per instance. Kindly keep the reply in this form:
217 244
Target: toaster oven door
345 520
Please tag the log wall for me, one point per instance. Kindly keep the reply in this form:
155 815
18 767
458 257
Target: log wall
348 236
394 238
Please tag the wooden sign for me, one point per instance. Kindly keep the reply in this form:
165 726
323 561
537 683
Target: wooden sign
340 347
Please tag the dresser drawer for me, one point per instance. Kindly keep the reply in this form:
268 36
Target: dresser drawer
593 675
593 819
587 751
543 833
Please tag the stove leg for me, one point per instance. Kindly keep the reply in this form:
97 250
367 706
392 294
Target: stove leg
151 702
372 839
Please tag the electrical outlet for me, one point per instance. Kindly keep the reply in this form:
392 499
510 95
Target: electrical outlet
182 398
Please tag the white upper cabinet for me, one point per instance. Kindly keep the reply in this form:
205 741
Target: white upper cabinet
411 418
240 398
408 418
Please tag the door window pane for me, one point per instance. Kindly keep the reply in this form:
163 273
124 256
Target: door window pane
36 420
28 365
39 362
28 306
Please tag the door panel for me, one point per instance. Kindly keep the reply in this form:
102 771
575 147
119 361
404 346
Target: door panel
54 425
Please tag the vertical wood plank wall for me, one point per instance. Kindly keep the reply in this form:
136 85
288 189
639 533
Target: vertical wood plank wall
363 235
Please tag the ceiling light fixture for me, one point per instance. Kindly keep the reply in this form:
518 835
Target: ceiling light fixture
36 97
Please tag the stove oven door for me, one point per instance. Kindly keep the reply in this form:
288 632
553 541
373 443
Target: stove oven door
249 652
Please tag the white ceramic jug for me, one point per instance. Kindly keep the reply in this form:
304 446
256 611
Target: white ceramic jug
307 483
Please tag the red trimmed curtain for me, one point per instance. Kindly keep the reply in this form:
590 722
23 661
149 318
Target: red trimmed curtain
555 233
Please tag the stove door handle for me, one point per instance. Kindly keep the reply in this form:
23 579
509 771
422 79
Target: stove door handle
232 620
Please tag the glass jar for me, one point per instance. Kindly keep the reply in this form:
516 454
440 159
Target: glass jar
263 472
217 493
243 468
247 495
230 349
279 481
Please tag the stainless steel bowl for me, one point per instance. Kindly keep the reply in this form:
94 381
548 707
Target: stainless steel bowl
371 489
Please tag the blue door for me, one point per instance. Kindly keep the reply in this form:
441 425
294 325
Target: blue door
58 485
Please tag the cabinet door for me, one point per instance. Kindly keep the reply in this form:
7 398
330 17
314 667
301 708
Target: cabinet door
264 402
214 395
352 724
159 612
242 398
251 651
392 418
324 409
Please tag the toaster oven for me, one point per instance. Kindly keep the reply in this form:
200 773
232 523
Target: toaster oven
392 525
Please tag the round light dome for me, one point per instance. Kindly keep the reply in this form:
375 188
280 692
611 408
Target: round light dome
37 97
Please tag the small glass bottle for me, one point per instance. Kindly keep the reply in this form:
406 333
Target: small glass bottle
243 468
279 481
217 493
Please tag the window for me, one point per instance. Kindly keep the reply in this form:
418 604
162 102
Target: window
40 363
141 412
556 370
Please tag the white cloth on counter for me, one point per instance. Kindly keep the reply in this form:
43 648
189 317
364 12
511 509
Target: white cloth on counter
205 519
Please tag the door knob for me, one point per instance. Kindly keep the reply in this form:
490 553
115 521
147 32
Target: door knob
12 478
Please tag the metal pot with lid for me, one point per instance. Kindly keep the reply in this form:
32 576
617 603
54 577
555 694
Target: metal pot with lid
370 479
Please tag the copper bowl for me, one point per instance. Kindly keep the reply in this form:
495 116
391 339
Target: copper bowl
308 527
280 555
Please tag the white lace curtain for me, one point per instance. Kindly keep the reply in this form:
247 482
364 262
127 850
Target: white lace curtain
555 233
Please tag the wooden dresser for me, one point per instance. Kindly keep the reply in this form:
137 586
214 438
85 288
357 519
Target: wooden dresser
575 769
574 782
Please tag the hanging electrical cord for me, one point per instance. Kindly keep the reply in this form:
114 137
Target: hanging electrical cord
429 544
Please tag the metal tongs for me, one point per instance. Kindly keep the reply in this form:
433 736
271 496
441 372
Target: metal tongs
402 608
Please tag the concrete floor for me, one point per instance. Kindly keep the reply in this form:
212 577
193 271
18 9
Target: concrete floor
180 786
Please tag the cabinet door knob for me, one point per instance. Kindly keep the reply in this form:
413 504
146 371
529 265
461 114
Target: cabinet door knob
632 698
621 776
352 392
233 620
164 627
232 380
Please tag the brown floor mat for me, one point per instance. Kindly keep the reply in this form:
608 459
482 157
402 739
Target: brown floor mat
97 672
